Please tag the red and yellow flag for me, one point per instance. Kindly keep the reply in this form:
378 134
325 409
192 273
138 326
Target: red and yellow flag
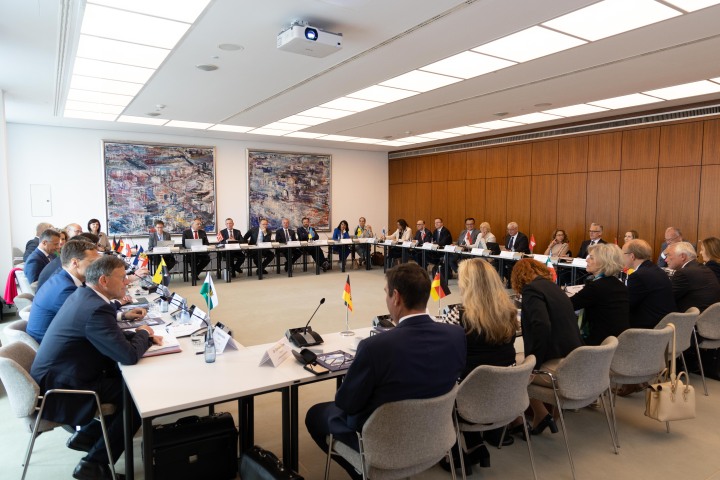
436 288
347 296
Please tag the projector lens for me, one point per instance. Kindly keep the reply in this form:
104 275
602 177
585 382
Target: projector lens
311 34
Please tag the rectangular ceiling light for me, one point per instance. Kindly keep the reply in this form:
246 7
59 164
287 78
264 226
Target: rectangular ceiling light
230 128
693 89
303 120
496 125
132 27
693 5
115 51
467 65
142 120
370 141
394 143
351 104
109 117
183 124
415 139
439 135
419 81
93 107
574 110
611 17
466 130
269 131
533 42
625 101
328 113
337 138
99 97
305 135
288 127
183 11
112 71
379 93
102 85
533 118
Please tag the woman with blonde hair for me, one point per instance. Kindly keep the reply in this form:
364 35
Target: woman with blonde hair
484 236
709 250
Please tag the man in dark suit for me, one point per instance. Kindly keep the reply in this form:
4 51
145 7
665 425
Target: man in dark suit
422 236
286 234
232 235
306 233
693 285
257 235
515 241
81 350
42 255
441 237
649 288
672 235
595 232
418 359
466 239
160 235
56 263
196 232
33 243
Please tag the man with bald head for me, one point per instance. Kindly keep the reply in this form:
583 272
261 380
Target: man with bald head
672 235
33 243
693 284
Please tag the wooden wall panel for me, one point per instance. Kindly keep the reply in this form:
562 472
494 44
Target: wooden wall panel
640 148
409 170
638 200
519 159
711 142
476 163
395 194
681 144
425 168
496 205
570 210
545 157
395 171
709 219
423 204
407 203
518 202
439 200
603 201
440 167
573 154
678 202
497 162
457 166
456 205
543 209
475 199
604 151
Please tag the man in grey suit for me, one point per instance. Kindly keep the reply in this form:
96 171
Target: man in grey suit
161 235
466 239
693 285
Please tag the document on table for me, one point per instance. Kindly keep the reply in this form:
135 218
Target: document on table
170 344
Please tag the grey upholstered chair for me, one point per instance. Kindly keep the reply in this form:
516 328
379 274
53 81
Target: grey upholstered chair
580 378
401 439
639 358
24 395
16 332
684 335
492 397
23 300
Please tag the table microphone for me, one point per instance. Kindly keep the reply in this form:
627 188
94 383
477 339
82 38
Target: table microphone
305 337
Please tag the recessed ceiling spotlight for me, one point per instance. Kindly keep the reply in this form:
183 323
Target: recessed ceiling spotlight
544 104
500 114
207 68
231 47
153 114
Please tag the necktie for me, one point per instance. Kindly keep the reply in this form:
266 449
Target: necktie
468 238
422 236
196 235
511 245
287 236
261 237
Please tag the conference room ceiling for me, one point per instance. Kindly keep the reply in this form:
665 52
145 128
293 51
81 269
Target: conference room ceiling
259 84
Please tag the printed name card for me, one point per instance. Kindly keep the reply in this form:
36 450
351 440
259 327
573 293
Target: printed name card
321 243
295 243
264 244
276 354
199 248
222 341
507 254
388 242
579 262
541 258
346 240
176 300
429 246
161 250
232 246
480 251
449 248
407 244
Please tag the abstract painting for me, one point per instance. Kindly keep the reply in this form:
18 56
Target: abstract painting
289 185
146 182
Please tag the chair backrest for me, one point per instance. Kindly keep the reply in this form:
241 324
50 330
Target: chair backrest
401 434
684 324
23 300
22 281
15 362
17 332
641 351
493 394
708 323
585 372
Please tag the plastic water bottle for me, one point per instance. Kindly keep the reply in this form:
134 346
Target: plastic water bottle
209 346
184 313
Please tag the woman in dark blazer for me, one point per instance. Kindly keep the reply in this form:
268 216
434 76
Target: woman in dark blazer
604 298
709 250
549 328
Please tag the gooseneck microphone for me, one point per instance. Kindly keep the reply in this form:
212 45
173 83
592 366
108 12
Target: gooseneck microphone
305 337
322 300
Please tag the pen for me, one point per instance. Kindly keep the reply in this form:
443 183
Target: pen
199 353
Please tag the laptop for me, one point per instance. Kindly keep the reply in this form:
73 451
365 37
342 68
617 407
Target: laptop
193 242
494 248
165 243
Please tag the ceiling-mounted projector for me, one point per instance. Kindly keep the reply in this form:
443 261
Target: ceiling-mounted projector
307 40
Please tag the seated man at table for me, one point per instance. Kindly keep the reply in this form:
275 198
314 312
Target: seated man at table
257 235
422 236
285 234
306 233
42 255
466 240
441 237
515 241
81 351
160 235
230 234
71 231
363 231
196 232
693 284
33 243
418 359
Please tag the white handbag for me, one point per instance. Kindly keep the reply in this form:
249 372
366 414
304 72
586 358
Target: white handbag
670 398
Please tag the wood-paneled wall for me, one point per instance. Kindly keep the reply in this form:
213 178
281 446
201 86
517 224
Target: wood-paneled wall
644 179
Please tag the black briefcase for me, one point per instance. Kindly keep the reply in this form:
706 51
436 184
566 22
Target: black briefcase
260 464
196 448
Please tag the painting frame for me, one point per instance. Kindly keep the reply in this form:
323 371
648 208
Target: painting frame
289 185
149 181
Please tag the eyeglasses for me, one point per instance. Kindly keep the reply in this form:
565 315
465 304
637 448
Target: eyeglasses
419 224
595 231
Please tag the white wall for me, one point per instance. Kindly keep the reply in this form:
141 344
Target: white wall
70 161
5 236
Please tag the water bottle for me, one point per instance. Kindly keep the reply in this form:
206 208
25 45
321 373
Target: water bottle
209 346
184 313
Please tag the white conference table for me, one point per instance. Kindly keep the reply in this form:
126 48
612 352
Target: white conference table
182 381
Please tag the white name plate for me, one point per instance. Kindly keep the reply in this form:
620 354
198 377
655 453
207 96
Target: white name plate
264 244
480 251
346 240
321 243
223 341
407 244
199 248
276 354
161 250
295 243
232 246
511 255
541 258
389 242
429 246
579 262
450 248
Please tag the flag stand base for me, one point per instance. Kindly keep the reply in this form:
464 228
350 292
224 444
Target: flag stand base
347 333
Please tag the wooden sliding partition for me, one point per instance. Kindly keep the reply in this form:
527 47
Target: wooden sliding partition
642 178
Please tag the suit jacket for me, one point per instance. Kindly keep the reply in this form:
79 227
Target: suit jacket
473 237
442 238
81 350
417 359
153 239
49 270
35 264
711 264
252 236
584 246
650 295
280 235
661 258
304 235
48 301
605 300
30 247
418 236
549 324
188 235
695 285
236 235
521 243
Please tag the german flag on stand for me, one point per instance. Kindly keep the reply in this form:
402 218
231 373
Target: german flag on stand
439 288
347 296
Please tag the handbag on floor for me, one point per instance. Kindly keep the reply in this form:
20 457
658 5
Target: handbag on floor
669 398
260 464
377 259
